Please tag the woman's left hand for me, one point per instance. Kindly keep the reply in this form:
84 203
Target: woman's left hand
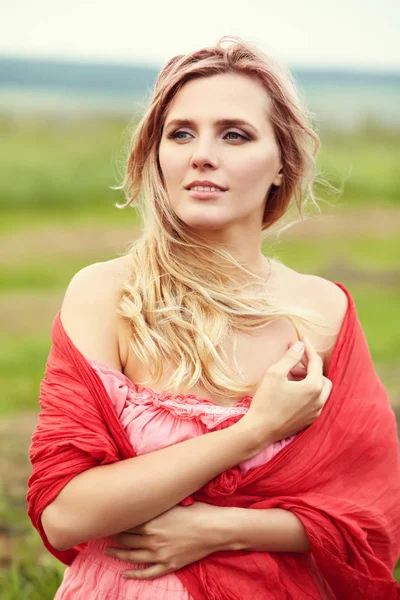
177 537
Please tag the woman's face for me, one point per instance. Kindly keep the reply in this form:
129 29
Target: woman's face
243 158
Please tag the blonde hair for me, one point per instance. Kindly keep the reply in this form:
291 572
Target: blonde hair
184 295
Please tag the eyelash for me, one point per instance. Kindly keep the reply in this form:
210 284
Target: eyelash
174 134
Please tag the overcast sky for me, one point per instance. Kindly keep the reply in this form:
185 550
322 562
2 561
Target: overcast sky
313 33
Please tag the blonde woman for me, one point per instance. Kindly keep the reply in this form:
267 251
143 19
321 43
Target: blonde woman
188 446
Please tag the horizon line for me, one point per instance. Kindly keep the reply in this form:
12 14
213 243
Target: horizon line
101 61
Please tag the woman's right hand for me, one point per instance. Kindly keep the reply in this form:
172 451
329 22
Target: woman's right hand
281 408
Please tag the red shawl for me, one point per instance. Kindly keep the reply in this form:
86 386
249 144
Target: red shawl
340 477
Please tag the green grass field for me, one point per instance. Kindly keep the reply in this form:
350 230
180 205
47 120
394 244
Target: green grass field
57 216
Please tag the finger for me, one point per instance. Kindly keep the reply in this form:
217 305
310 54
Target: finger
151 573
315 365
290 359
303 359
133 556
299 368
130 540
326 390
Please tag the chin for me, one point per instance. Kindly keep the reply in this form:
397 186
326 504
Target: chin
202 221
209 225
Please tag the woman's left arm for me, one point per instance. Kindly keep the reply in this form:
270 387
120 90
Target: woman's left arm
262 530
183 535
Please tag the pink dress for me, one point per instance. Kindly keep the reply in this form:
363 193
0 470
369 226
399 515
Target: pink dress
152 421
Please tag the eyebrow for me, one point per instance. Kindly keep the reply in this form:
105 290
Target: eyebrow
219 123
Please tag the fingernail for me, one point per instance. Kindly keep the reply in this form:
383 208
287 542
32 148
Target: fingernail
298 347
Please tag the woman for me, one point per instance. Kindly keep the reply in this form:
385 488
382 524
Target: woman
186 446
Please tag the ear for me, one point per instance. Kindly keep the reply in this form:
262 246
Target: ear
278 178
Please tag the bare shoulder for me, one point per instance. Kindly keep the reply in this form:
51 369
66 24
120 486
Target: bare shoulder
324 297
331 302
89 310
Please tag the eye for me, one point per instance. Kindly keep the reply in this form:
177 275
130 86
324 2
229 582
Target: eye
174 135
237 133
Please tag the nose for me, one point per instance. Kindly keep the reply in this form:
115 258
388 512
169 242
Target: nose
203 155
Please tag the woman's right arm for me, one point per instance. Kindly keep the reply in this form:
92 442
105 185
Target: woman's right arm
108 499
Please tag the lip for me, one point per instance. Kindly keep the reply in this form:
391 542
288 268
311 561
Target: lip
205 195
205 183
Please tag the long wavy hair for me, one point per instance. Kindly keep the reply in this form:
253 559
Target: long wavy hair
184 295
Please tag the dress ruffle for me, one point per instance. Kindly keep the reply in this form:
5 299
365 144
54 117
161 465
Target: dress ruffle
189 407
184 406
155 420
